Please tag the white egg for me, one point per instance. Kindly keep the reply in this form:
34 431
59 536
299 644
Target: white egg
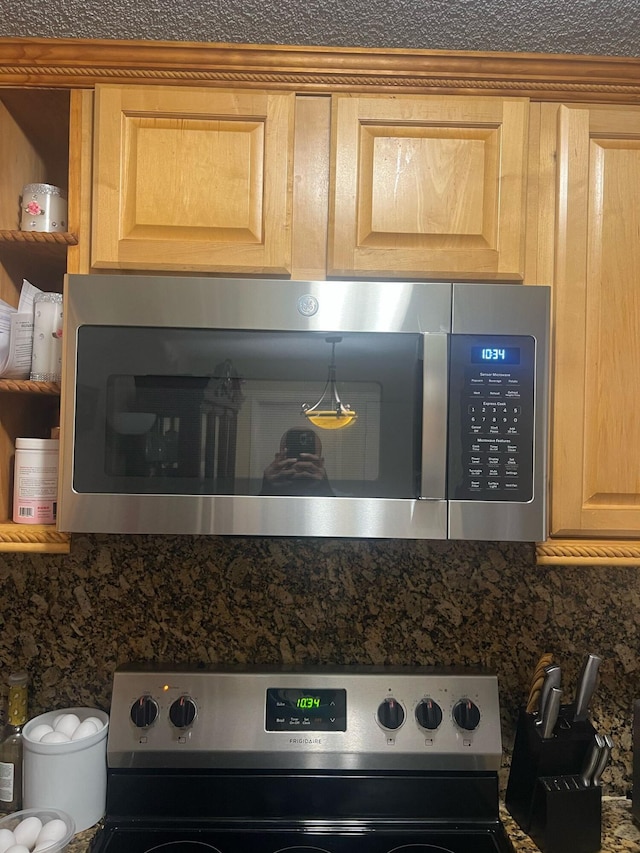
86 728
26 832
37 732
55 737
7 839
17 848
98 722
67 724
51 832
57 719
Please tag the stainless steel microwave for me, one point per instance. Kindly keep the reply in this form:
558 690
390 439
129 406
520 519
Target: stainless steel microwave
202 405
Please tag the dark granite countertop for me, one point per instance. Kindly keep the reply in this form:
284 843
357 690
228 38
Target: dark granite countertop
619 833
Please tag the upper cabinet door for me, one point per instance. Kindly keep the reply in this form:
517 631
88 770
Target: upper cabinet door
596 406
428 186
192 179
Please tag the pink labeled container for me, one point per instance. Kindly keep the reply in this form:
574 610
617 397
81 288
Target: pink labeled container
35 481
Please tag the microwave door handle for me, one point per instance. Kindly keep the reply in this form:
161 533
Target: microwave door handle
435 392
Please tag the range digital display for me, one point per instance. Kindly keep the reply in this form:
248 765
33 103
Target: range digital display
301 709
490 354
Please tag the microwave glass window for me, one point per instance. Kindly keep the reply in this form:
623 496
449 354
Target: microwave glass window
196 411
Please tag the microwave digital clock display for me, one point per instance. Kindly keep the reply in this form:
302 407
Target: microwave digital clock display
306 710
495 355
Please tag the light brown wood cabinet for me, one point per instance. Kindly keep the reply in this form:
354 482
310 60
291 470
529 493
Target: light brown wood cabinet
257 160
192 179
428 186
595 431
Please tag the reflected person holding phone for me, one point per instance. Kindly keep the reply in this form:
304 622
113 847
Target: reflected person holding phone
298 467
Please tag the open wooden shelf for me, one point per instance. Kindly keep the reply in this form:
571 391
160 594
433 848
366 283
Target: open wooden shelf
36 538
61 238
27 386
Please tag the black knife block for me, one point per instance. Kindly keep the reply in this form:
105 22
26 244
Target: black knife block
565 816
563 754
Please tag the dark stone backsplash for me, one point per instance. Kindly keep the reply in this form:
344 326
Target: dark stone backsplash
70 620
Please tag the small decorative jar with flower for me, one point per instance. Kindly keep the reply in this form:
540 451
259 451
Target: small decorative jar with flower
44 208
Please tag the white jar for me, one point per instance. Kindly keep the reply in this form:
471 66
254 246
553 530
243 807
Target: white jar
68 776
46 355
44 208
35 481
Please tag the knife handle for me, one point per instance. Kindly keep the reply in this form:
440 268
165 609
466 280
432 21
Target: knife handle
552 678
592 760
537 680
603 760
586 686
551 711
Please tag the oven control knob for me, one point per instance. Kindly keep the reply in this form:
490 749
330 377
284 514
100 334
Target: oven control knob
466 714
182 712
428 714
390 714
144 712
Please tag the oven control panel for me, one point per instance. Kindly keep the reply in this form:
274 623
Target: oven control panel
312 718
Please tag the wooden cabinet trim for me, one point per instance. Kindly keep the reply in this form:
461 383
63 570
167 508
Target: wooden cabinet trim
588 552
82 63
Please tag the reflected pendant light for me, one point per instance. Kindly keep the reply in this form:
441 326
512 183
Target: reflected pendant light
329 412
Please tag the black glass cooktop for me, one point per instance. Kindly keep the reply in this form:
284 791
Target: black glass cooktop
248 840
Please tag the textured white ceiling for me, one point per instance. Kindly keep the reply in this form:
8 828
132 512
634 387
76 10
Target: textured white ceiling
603 27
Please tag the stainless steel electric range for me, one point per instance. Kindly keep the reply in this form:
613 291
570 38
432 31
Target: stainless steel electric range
268 760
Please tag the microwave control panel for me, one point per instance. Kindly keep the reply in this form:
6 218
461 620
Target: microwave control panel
491 417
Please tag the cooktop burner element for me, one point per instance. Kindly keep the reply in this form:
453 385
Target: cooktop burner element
287 760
